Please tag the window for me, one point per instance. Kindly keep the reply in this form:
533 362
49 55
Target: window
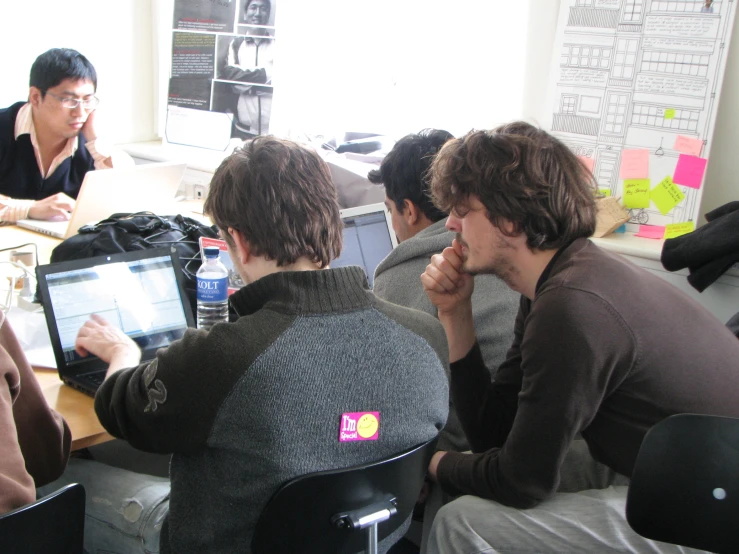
607 169
625 60
616 113
590 104
654 116
632 11
590 57
683 6
693 65
569 101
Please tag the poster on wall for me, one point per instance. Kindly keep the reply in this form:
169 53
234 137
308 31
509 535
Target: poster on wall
220 84
633 91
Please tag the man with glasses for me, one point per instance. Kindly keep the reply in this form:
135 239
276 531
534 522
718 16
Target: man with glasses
48 143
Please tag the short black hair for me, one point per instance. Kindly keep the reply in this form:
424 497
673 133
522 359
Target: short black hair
55 65
246 4
404 171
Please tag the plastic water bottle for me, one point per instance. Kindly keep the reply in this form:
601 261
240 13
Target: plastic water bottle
212 280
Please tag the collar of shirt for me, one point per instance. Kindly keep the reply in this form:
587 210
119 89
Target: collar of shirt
24 126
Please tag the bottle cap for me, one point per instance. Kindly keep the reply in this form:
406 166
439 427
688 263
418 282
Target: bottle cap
211 251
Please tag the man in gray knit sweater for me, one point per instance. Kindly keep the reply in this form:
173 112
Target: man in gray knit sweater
251 404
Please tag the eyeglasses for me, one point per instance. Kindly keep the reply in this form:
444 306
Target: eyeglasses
89 103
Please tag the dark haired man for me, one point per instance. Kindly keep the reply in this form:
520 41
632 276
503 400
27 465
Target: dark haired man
249 405
48 143
601 349
419 227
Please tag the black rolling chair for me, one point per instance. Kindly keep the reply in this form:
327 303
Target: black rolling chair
53 524
327 512
685 486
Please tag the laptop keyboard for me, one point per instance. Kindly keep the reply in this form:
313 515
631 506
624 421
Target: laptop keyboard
96 378
92 382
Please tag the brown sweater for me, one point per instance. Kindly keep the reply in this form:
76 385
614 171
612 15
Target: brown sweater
605 349
35 439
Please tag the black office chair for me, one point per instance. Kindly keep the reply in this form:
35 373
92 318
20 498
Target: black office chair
685 486
326 512
53 524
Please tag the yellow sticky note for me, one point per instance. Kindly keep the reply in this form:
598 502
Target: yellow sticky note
666 195
670 113
677 229
605 192
636 193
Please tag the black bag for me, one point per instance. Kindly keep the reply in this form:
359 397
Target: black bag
139 231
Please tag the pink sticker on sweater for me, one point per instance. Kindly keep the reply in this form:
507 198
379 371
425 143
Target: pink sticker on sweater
359 426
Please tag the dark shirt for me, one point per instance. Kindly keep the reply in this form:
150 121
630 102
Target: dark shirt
605 349
20 176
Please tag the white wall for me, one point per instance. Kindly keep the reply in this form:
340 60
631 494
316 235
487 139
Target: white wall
115 36
449 65
721 183
397 66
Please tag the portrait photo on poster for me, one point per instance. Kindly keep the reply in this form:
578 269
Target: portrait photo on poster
251 106
245 59
256 14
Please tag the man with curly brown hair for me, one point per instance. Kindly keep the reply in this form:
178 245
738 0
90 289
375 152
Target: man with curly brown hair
593 354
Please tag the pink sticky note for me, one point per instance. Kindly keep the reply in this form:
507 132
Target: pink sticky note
587 162
689 171
651 231
634 164
359 426
688 145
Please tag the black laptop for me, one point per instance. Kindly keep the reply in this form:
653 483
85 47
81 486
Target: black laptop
139 292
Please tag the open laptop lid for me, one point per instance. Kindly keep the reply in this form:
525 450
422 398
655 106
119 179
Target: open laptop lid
368 238
147 187
140 292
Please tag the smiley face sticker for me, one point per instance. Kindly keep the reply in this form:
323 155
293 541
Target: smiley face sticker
359 426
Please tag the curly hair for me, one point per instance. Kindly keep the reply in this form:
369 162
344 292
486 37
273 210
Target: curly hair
521 175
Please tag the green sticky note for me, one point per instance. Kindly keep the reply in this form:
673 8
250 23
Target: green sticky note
670 113
605 192
666 195
676 229
636 193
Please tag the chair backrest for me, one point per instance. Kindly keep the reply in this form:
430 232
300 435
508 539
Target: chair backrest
685 485
53 524
298 517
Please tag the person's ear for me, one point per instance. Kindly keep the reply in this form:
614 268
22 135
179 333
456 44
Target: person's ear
34 96
241 245
411 212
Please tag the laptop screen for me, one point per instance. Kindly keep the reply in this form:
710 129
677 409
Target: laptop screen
368 238
138 292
